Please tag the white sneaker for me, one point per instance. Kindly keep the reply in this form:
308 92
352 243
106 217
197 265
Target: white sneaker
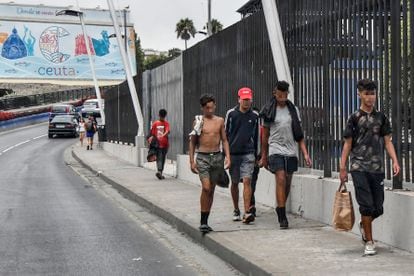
370 248
236 215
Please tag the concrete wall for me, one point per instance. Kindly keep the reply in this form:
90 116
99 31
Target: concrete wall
127 153
163 88
24 121
312 197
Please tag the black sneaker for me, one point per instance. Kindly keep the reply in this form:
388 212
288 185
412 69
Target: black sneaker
284 224
87 147
281 217
247 218
158 175
253 211
277 213
204 228
236 215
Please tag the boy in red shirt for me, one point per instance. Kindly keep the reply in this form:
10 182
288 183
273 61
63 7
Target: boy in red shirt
160 129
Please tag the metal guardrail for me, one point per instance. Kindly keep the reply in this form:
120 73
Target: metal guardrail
16 102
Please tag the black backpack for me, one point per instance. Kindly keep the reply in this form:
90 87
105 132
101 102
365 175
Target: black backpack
89 126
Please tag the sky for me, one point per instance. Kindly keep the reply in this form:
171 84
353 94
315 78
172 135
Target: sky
155 20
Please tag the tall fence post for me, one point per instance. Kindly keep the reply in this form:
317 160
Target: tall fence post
327 172
396 84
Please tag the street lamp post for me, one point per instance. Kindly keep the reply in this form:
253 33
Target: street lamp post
79 14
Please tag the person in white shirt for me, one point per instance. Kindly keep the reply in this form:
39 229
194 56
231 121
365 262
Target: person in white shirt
81 131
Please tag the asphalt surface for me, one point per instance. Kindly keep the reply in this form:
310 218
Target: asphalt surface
54 222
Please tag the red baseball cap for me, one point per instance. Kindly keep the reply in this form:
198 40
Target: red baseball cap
245 93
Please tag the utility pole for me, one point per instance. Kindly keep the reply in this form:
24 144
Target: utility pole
209 26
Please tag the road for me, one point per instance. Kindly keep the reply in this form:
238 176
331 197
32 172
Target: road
57 218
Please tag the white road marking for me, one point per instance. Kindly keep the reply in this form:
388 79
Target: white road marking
38 137
21 143
6 150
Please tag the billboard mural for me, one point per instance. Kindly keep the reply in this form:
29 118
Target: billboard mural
51 50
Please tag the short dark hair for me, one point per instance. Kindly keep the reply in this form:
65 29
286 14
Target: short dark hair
282 86
162 113
206 98
366 84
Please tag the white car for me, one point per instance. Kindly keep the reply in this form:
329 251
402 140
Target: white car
91 107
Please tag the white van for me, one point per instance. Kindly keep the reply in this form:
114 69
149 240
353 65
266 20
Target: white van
91 107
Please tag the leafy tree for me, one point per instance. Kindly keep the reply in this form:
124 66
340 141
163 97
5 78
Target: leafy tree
154 61
174 52
139 53
216 26
185 29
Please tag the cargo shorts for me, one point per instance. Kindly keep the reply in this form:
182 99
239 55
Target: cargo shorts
208 162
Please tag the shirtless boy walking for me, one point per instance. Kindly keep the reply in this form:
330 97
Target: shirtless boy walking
207 134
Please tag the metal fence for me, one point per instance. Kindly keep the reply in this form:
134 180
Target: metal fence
9 103
333 43
235 57
163 88
121 123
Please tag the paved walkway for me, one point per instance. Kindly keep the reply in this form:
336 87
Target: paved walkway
307 248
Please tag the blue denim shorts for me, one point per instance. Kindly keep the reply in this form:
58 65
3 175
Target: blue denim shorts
277 162
242 166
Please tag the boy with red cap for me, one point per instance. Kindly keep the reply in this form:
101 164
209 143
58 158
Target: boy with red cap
242 129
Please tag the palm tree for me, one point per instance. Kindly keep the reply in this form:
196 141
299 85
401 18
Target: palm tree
216 26
185 29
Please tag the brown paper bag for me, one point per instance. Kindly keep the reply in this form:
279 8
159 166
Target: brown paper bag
343 210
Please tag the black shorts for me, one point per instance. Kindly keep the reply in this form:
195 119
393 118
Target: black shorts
277 162
369 193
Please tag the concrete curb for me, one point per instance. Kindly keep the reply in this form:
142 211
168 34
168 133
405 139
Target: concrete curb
212 244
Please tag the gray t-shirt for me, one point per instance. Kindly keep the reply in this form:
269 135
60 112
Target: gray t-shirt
281 139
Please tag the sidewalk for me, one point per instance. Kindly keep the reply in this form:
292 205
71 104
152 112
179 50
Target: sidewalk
307 248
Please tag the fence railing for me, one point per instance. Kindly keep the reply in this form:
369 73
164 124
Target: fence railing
121 123
331 44
8 103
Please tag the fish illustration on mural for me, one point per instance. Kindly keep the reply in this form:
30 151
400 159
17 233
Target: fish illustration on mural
49 44
14 47
11 71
